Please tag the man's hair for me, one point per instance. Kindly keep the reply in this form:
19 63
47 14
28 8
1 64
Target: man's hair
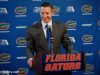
47 4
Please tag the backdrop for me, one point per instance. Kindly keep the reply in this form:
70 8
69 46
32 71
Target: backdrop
81 16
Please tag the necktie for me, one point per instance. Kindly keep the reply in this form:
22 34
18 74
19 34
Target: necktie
48 36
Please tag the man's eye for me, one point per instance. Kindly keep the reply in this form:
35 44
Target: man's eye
47 13
42 13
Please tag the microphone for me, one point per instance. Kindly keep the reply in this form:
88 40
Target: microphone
50 29
51 40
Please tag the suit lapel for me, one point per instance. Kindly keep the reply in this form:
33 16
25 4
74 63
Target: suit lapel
54 30
43 39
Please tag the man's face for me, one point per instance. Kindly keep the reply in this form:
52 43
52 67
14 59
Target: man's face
46 14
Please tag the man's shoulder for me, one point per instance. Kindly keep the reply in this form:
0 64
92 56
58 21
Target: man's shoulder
34 25
59 22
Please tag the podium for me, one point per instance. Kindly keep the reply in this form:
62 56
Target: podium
59 62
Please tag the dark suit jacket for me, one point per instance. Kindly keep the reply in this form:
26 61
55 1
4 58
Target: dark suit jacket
36 41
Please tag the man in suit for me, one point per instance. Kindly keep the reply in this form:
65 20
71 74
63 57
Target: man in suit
36 36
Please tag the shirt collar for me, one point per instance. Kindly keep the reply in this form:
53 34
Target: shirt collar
44 24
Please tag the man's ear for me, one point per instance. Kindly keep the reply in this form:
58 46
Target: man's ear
53 12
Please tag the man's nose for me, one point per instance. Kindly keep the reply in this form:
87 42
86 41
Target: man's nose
44 15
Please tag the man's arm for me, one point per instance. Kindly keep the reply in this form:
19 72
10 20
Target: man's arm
66 40
30 48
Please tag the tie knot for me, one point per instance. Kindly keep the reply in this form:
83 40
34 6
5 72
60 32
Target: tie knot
46 26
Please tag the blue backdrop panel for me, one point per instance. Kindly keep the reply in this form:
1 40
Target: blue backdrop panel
81 16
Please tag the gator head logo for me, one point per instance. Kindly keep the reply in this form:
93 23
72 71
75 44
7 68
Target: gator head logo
86 8
21 41
22 71
89 68
20 10
4 26
71 24
87 38
5 57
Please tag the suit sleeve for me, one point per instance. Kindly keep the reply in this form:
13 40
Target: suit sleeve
66 40
30 45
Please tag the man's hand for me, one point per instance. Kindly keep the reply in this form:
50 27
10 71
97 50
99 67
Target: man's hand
31 62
